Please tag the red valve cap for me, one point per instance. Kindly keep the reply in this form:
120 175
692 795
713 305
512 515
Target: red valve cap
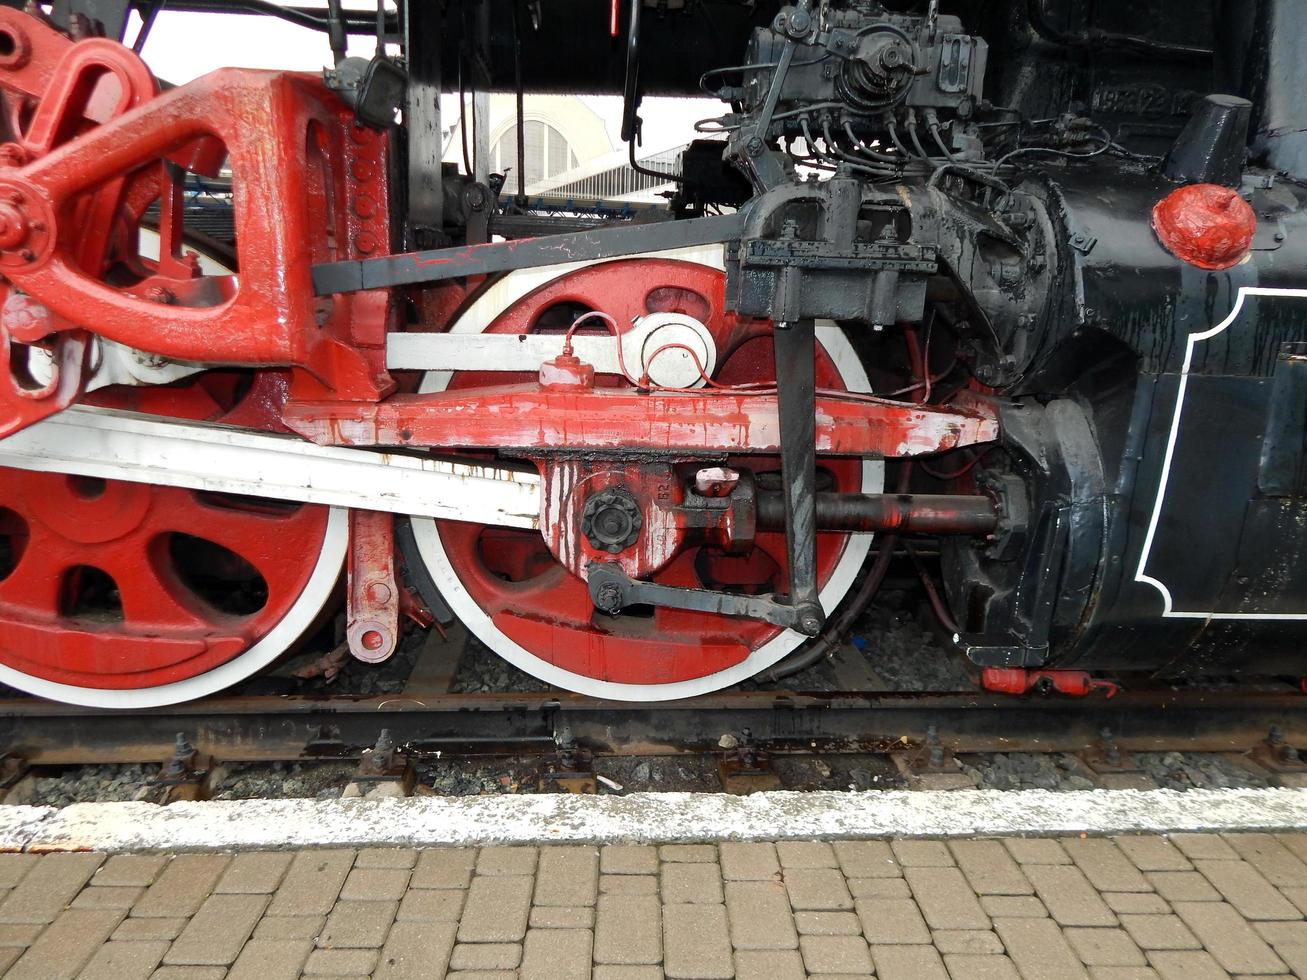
1206 225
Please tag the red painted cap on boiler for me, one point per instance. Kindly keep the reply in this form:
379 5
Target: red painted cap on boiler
1205 225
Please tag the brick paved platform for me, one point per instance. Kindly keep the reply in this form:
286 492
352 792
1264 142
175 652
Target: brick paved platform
1183 907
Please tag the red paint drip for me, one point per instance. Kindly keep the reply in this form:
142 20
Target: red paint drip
1206 225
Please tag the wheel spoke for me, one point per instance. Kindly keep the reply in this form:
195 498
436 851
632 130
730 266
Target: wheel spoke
35 582
151 597
272 541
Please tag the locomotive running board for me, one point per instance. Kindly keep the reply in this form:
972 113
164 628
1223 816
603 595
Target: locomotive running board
113 445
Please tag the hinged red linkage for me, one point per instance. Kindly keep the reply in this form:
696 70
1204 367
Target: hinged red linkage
308 186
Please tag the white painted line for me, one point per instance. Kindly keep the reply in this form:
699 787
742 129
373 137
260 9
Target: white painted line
658 817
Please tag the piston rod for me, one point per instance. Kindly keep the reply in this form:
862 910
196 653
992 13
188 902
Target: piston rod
902 512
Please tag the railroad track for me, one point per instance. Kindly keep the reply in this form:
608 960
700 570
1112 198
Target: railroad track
923 736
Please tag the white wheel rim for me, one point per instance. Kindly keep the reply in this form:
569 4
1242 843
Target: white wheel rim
483 311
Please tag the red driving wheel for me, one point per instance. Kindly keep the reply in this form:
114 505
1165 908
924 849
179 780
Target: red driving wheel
521 602
123 594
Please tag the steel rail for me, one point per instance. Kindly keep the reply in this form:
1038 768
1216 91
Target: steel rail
283 728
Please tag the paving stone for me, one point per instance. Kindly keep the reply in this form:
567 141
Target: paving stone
290 927
146 930
989 868
386 857
1228 937
1282 933
628 930
1246 890
817 889
568 876
189 973
807 853
1148 852
628 885
13 867
1039 949
1273 860
431 905
312 883
445 867
1296 957
182 886
615 972
556 954
107 898
254 873
696 942
497 909
827 923
340 962
879 888
759 915
1136 903
766 964
908 963
1183 886
749 862
968 966
375 885
1035 850
486 956
561 917
65 945
357 925
507 861
971 941
922 853
1012 906
1106 867
1189 965
48 886
124 869
216 933
19 933
866 859
1159 932
1123 973
271 959
416 951
693 853
835 954
1298 896
629 859
945 898
1211 847
1069 897
892 921
125 961
1104 947
693 883
483 975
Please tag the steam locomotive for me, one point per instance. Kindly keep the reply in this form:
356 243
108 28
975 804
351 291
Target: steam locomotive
1027 278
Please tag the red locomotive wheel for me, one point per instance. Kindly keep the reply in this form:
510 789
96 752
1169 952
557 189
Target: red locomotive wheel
508 588
118 594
